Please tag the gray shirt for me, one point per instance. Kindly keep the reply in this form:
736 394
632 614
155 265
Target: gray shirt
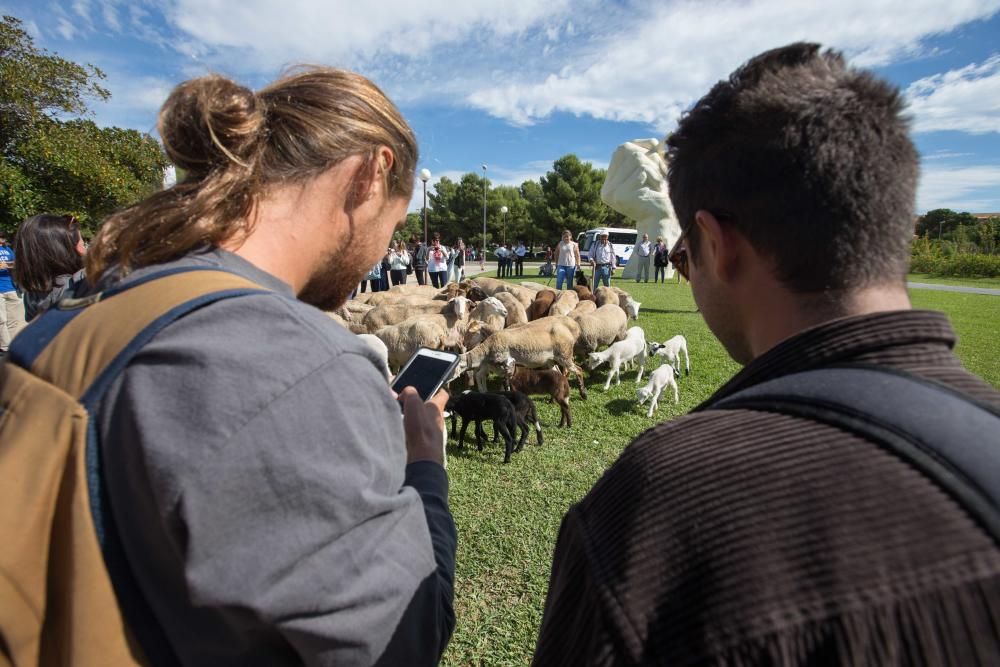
254 461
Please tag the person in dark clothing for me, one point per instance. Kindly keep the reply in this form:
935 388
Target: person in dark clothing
760 538
420 263
49 250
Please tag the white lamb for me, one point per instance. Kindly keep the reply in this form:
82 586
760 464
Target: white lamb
658 379
671 351
633 347
379 348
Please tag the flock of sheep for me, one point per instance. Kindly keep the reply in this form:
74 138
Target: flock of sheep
529 334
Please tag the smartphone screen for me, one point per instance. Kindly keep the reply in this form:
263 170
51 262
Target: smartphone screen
426 371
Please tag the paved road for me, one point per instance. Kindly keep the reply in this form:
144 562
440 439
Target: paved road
955 288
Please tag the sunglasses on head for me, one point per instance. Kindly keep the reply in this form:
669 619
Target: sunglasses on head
678 255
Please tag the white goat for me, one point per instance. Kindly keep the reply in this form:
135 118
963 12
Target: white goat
658 379
633 347
671 351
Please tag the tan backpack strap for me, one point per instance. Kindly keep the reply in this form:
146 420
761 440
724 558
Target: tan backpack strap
101 329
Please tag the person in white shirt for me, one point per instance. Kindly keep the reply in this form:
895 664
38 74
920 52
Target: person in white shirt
519 252
602 257
399 260
643 251
437 262
501 261
567 260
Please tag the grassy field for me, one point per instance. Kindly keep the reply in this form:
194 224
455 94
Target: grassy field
508 516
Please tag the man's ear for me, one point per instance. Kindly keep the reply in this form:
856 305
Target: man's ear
719 246
373 175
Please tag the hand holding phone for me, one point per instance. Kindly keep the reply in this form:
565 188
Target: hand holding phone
418 385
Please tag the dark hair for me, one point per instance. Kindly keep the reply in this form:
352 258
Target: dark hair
233 143
45 248
810 160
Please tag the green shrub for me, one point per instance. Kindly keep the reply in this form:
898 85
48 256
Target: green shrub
964 265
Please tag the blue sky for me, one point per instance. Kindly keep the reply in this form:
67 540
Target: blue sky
519 83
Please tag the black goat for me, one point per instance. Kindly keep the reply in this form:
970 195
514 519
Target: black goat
477 407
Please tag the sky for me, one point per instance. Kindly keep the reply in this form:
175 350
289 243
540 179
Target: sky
519 83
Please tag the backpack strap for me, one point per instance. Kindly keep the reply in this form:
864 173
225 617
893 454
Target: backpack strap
81 346
951 438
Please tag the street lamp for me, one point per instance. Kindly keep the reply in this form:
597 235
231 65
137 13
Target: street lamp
425 175
482 258
503 211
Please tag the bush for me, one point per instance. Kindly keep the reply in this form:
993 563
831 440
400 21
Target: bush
958 266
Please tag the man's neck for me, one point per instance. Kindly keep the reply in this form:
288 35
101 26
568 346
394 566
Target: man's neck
783 314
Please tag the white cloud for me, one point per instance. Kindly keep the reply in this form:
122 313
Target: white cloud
65 29
648 70
973 188
966 99
271 34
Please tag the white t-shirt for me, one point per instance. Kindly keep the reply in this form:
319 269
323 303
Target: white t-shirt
566 253
437 258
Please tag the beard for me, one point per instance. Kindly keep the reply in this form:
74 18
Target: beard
339 273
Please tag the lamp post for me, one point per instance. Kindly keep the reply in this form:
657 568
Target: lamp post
940 225
482 258
503 212
425 175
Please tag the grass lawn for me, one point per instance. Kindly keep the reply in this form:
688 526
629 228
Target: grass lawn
508 516
989 283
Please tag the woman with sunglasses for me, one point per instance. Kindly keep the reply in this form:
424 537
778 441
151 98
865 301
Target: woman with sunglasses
49 251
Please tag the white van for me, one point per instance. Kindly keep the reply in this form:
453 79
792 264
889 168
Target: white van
621 239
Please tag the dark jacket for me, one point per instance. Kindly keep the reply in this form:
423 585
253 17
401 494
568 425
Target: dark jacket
753 538
420 257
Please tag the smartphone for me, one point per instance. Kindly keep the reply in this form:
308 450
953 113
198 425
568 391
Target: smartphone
426 371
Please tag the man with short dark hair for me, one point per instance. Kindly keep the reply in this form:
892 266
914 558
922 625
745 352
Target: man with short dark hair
756 536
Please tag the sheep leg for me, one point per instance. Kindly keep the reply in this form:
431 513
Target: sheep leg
507 437
465 427
676 397
613 368
480 435
687 362
522 425
565 418
655 402
642 364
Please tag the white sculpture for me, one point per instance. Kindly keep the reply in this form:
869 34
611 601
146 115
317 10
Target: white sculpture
636 186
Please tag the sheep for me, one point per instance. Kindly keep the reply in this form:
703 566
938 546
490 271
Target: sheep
539 308
658 379
534 344
380 349
565 302
381 316
627 303
671 350
604 326
476 407
538 287
583 308
584 293
405 338
605 295
515 310
338 319
491 312
551 382
633 347
526 415
492 285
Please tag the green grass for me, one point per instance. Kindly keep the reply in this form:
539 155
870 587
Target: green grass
508 516
989 283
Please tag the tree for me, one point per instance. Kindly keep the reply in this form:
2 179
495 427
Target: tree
572 198
942 223
50 164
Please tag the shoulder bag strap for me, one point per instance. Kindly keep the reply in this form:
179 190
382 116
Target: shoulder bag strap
948 436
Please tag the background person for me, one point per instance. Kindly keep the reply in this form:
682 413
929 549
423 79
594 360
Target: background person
660 260
50 265
399 260
760 538
519 252
273 505
644 248
12 308
567 260
602 258
437 262
459 263
420 263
